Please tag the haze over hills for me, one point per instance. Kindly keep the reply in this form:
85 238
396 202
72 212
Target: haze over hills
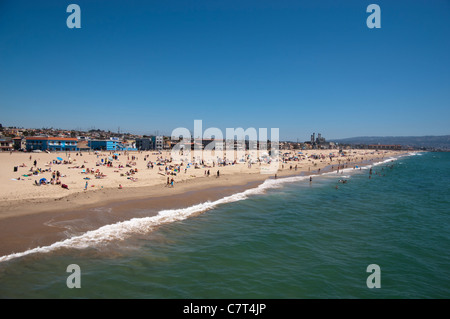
442 141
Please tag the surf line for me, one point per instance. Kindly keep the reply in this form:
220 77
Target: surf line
125 229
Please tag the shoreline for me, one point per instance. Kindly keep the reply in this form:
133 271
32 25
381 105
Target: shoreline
42 222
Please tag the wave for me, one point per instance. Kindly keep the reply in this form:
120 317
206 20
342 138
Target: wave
390 159
122 230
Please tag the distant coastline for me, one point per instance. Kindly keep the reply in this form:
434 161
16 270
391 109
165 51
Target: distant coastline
430 143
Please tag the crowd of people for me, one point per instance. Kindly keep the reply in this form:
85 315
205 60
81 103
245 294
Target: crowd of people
291 160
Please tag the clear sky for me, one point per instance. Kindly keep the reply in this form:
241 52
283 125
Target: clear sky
300 66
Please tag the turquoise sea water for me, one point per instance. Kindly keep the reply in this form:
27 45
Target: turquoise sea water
286 239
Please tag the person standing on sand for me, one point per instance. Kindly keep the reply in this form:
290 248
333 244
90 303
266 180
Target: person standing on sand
218 174
171 182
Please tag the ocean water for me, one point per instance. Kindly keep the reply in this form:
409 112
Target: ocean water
287 238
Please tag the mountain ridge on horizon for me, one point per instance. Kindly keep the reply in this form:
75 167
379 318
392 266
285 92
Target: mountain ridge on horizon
435 141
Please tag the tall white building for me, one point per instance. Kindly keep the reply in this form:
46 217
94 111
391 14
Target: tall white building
159 142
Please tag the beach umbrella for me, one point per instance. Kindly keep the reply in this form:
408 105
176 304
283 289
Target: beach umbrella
42 180
59 158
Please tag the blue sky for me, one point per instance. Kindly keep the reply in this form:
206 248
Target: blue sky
300 66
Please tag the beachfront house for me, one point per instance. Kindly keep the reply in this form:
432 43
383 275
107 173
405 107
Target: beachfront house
210 143
384 147
47 143
112 144
159 142
145 144
129 145
105 145
83 145
20 143
6 144
150 143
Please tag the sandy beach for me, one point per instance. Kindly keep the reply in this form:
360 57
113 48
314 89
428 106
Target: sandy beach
32 215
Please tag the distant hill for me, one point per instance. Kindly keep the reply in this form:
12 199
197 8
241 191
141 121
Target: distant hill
442 142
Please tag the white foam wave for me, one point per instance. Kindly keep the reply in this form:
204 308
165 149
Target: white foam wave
415 154
390 159
122 230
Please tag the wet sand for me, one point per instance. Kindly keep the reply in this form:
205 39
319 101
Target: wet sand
26 231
